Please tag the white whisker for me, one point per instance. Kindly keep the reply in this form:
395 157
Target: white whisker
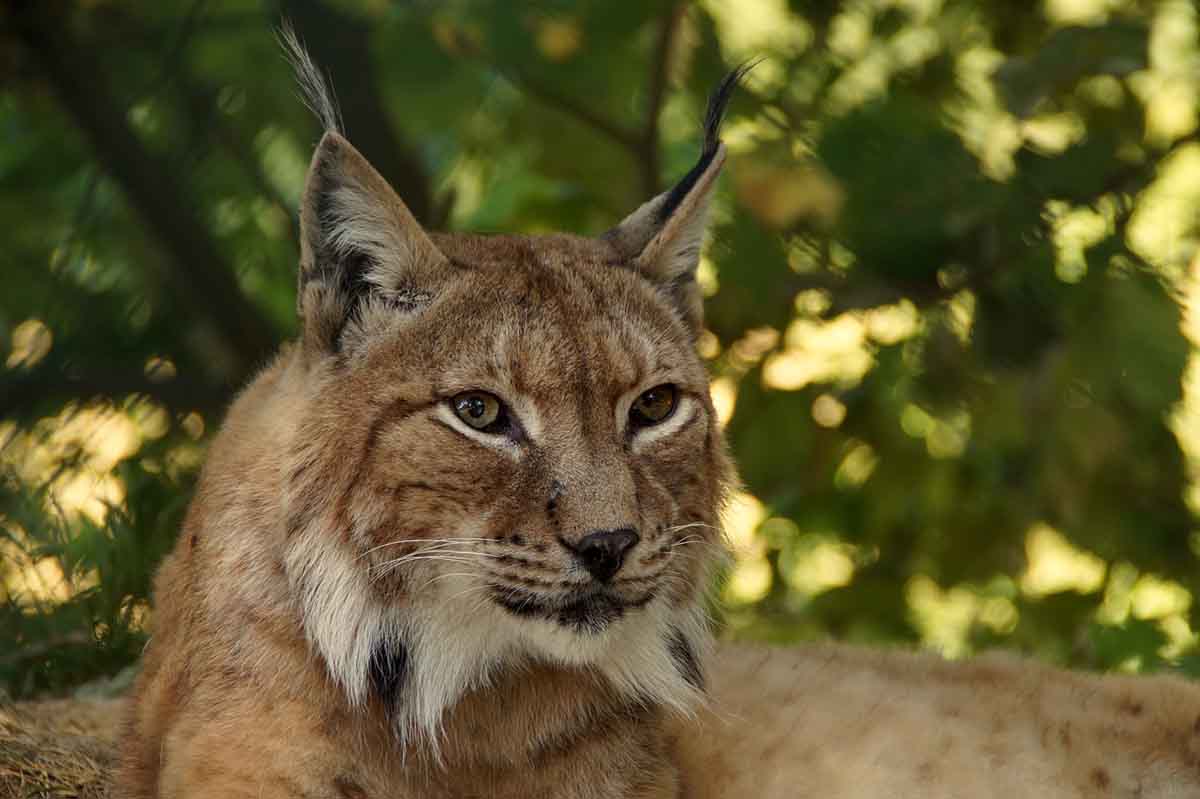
469 590
429 542
394 565
447 554
678 527
381 570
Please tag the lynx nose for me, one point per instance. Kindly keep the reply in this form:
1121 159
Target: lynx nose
603 552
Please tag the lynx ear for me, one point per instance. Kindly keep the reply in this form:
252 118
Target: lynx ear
361 250
358 244
662 239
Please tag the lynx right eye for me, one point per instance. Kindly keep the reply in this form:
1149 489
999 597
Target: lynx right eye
480 410
654 406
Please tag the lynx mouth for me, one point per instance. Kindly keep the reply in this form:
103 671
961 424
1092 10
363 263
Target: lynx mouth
589 611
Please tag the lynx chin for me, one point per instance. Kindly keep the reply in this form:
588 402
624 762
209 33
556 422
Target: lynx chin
454 542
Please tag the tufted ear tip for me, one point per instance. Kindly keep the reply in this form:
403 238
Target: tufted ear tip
663 237
718 101
314 88
358 240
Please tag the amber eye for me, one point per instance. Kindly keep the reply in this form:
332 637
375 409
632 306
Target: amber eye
480 410
653 406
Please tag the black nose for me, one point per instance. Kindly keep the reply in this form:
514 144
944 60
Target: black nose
603 552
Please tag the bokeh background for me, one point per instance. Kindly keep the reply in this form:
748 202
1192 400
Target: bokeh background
952 285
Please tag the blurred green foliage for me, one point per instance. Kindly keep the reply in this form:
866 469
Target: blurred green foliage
949 277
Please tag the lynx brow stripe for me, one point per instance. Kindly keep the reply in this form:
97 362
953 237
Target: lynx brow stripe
394 411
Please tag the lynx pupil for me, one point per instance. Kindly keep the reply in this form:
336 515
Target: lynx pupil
474 406
653 406
478 409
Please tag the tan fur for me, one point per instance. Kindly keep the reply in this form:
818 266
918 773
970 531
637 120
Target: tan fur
367 597
841 722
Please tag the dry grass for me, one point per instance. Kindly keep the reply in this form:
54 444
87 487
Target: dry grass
60 749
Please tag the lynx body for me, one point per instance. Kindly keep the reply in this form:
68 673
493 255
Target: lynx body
454 543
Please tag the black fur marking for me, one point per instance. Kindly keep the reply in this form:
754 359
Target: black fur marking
389 665
685 659
586 614
350 273
459 263
717 104
343 273
556 491
347 788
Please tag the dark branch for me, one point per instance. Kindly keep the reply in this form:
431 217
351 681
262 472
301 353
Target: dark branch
660 68
47 646
626 138
201 100
203 280
22 392
641 143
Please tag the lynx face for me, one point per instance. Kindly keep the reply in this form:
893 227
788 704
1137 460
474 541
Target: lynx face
550 451
508 452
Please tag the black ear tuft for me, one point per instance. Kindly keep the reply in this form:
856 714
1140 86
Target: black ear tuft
661 240
718 101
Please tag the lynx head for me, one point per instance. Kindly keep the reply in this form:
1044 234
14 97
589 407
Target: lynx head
507 453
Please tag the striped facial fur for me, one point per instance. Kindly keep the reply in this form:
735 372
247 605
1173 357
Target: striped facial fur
507 452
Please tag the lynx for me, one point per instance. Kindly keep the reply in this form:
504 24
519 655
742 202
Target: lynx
454 542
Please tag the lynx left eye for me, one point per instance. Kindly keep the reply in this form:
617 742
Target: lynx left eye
653 406
480 410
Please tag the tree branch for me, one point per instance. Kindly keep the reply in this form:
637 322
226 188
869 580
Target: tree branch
47 646
628 139
23 390
642 142
201 99
203 281
660 68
